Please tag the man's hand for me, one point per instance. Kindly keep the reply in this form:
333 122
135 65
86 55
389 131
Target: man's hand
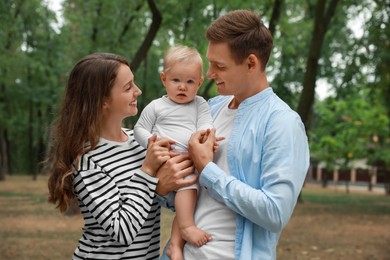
201 148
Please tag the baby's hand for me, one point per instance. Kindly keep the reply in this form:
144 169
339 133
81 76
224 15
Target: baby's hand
216 144
217 139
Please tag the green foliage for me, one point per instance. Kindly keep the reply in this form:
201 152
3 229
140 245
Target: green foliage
29 71
36 58
349 129
291 41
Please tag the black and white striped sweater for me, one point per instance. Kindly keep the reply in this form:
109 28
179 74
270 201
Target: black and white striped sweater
117 201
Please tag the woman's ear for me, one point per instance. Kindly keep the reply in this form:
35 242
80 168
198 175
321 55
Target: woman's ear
105 103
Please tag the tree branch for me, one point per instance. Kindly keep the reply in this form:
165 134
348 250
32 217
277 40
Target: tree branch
154 27
276 11
129 21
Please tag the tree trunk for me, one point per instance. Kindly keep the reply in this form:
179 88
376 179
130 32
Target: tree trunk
276 11
30 134
10 46
154 27
3 155
322 19
387 181
95 29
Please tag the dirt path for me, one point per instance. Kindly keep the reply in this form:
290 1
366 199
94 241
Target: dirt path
330 226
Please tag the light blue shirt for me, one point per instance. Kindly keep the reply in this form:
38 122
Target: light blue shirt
268 158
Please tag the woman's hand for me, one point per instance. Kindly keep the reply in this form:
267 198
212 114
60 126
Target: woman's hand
157 153
171 174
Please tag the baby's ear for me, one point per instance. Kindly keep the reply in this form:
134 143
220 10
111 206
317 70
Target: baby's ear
163 77
201 80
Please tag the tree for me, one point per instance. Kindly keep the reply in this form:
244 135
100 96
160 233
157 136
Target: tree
153 29
312 41
22 97
344 130
323 17
379 50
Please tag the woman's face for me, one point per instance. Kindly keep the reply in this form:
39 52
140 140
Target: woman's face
122 102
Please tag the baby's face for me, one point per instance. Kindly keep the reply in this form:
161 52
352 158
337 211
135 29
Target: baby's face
182 82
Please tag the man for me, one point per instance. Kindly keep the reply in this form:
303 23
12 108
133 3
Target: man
250 186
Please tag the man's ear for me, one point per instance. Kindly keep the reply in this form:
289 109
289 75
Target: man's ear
253 62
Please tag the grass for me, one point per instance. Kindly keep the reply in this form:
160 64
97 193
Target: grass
329 224
341 202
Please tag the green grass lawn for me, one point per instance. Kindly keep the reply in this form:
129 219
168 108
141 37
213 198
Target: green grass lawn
329 224
340 202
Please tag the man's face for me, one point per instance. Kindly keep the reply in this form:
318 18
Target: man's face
230 78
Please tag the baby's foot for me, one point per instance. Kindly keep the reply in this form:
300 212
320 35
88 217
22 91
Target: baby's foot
195 236
174 252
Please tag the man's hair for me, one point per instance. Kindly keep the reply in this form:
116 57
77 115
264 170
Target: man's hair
181 53
245 33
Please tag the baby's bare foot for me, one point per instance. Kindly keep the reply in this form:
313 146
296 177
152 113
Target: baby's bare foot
174 252
195 236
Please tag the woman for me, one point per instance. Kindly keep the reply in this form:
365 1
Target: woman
94 159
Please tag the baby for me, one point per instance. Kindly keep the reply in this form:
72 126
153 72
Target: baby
176 116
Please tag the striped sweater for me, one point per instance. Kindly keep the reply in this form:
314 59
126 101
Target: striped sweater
117 201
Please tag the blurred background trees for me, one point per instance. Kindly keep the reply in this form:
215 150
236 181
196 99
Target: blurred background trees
330 62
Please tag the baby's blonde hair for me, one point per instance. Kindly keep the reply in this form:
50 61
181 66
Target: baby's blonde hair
181 53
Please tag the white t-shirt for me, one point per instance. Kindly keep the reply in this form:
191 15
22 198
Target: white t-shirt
211 215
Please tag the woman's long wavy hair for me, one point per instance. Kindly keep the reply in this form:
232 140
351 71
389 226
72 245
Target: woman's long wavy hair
79 120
